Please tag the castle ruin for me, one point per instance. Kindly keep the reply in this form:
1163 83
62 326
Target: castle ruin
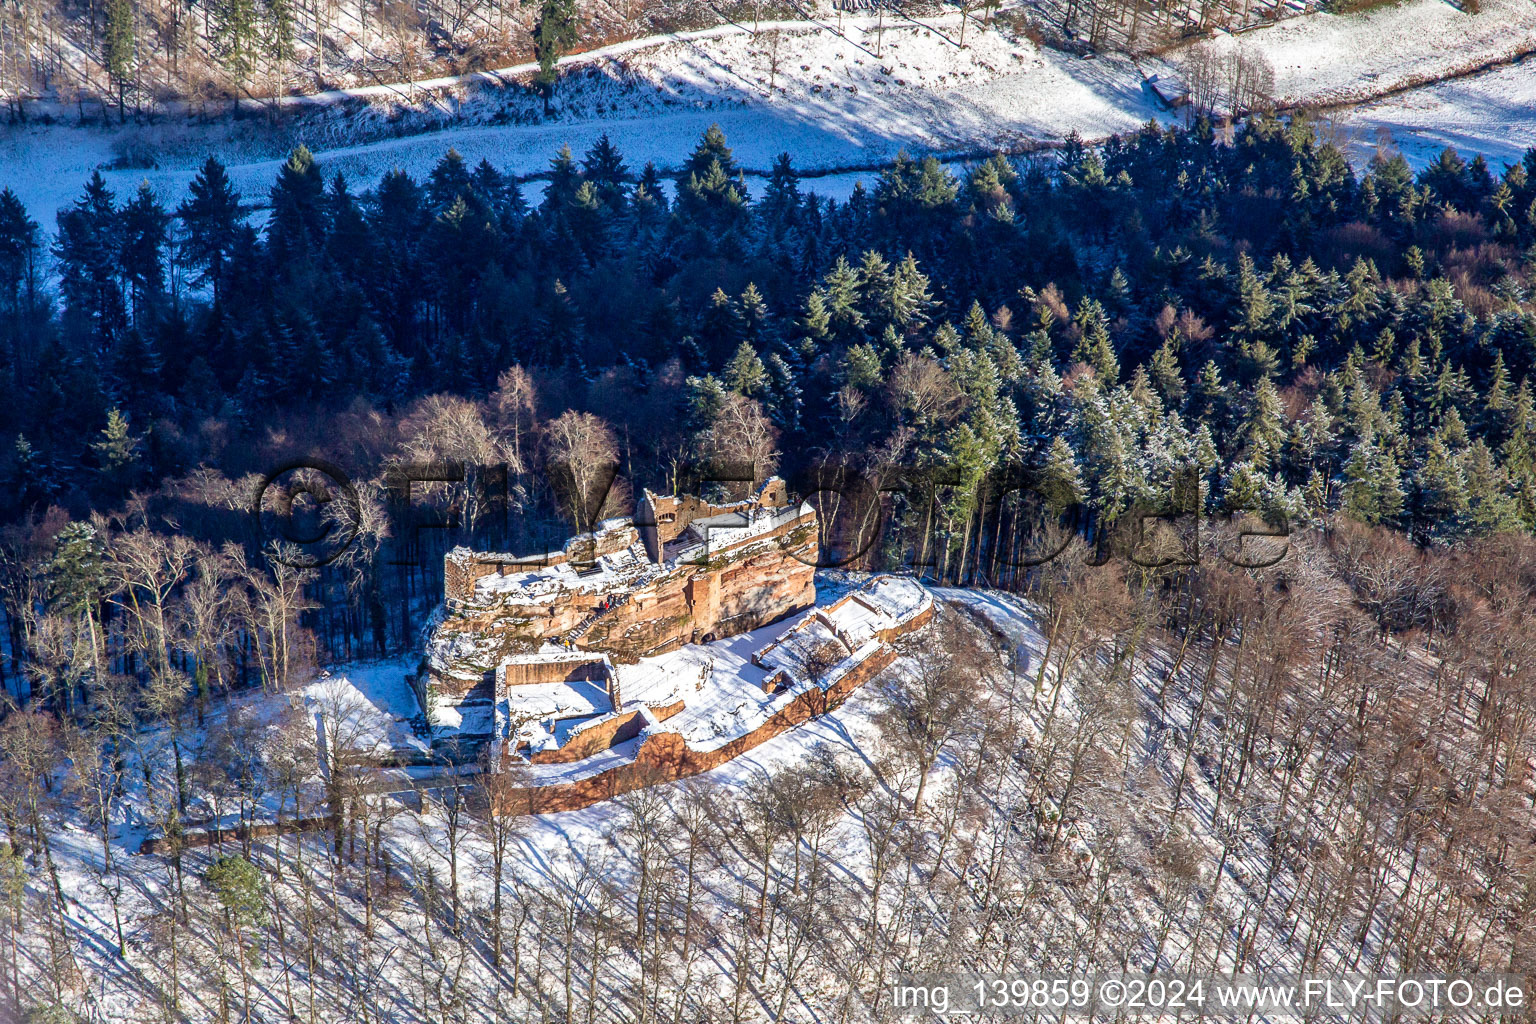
682 570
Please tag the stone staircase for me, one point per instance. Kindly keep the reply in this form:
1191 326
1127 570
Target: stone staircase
581 628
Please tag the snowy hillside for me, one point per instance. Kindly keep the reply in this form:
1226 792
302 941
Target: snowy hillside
1066 798
841 95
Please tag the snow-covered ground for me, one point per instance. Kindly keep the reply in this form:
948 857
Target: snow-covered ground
834 105
1158 864
1493 113
845 96
1331 58
375 699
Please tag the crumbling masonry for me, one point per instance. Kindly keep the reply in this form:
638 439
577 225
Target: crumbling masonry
681 570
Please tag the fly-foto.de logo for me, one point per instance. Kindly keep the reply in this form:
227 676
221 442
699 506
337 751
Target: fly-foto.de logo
309 512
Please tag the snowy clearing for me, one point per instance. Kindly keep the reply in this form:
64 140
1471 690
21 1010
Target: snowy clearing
1493 113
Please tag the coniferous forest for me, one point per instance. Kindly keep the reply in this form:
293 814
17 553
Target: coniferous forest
1321 764
1314 343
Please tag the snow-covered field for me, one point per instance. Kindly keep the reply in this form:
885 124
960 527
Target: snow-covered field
834 105
845 96
1493 113
1330 58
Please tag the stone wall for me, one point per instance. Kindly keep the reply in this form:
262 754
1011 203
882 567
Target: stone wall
770 578
666 756
620 728
661 518
194 838
565 670
711 600
462 568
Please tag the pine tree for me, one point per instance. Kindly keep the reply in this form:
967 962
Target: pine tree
756 326
277 42
237 37
1208 399
240 888
136 367
209 216
1167 375
1061 482
118 49
348 240
118 449
87 248
585 219
564 181
914 194
296 229
144 224
1117 293
1496 396
840 293
781 196
706 397
979 335
745 373
874 287
1439 492
815 325
1492 506
1373 490
604 166
372 360
498 193
711 149
911 298
719 326
1093 346
75 574
563 327
1244 490
18 251
1265 427
448 181
861 367
715 198
398 218
460 245
650 180
711 190
784 393
554 33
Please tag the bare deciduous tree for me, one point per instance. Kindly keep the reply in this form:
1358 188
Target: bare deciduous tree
583 456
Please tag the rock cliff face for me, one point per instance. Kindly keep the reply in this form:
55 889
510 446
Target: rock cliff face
682 570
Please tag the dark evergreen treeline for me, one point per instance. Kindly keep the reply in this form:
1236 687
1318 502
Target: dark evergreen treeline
1310 338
